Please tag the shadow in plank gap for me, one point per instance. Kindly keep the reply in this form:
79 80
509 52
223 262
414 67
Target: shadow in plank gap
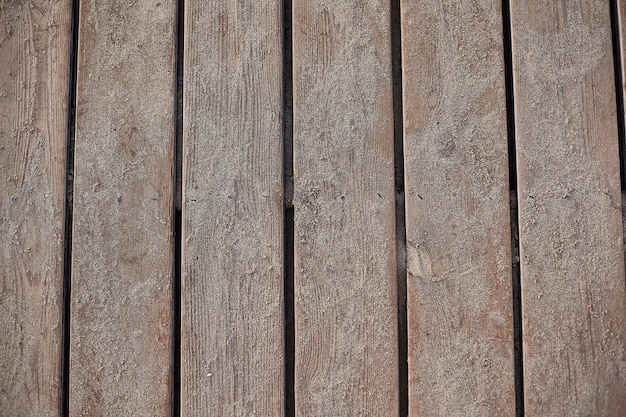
69 211
618 11
398 136
513 218
288 241
177 224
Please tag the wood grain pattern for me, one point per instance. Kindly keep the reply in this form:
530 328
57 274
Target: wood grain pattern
459 299
34 63
572 256
346 359
122 233
232 288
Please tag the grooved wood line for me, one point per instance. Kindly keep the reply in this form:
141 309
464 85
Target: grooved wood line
572 255
346 358
34 57
122 232
232 287
460 328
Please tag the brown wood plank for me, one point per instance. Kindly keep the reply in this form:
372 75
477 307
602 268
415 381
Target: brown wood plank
122 233
572 256
34 66
459 294
345 280
232 288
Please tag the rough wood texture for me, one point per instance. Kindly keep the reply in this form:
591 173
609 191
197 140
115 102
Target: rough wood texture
345 274
572 257
460 329
34 56
232 289
122 237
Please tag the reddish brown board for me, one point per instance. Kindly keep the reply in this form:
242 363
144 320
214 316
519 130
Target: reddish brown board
232 288
459 293
122 233
34 57
346 357
572 255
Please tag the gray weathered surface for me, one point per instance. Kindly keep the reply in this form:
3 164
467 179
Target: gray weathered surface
460 328
122 236
572 257
345 276
34 56
232 289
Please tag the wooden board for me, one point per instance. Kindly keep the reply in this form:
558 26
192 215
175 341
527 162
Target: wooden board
346 359
34 57
572 256
232 288
122 233
459 294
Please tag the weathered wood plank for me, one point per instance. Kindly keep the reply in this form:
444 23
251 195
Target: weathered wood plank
232 289
122 237
572 257
345 278
34 63
459 299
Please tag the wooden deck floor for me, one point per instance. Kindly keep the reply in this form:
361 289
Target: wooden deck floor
312 208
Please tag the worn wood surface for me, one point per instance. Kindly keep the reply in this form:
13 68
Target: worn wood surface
232 296
345 281
460 330
122 232
233 340
572 259
34 56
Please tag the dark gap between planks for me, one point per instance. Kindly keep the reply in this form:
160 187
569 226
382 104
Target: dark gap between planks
177 207
288 217
398 142
69 213
619 91
176 316
290 404
515 266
